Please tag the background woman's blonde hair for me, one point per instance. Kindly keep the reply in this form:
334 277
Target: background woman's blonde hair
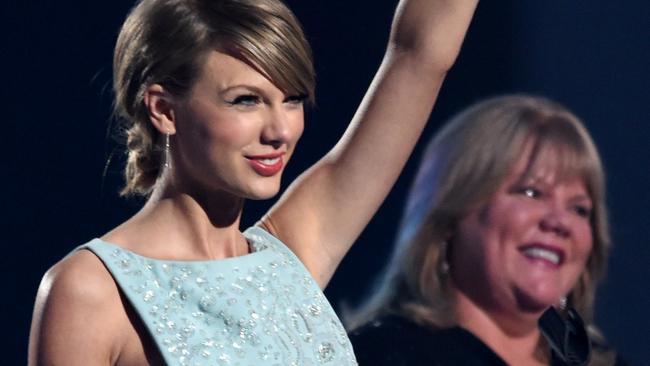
166 41
463 166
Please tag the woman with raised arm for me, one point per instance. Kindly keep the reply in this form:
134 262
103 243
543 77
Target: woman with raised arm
506 222
212 93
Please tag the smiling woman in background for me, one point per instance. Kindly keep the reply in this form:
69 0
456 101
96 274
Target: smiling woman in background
212 94
505 220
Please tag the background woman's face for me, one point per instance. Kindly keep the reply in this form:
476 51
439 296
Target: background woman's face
527 245
236 130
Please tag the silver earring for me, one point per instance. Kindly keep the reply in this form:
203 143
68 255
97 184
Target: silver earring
168 162
444 264
562 304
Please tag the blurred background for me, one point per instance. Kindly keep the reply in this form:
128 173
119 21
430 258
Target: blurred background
61 166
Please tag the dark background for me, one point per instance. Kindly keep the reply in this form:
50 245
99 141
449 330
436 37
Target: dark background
592 56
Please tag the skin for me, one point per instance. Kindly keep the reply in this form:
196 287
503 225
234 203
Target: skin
234 112
501 300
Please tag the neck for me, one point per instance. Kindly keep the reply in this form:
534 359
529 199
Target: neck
183 225
514 337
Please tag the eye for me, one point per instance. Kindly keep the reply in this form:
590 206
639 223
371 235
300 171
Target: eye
530 192
295 99
583 211
246 100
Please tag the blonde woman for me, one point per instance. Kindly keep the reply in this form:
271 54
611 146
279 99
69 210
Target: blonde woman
213 95
506 220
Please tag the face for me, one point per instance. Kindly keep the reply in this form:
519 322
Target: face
526 246
235 132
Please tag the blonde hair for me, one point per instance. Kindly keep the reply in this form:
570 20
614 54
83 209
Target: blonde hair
165 42
464 165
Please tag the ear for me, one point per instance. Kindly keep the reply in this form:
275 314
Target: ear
160 105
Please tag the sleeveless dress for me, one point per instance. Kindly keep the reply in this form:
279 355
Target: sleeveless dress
263 308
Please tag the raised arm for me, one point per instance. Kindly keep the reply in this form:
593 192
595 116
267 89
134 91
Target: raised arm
326 208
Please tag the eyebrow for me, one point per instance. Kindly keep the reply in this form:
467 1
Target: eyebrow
581 197
252 88
261 91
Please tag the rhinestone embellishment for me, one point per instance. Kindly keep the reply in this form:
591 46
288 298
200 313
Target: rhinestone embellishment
259 309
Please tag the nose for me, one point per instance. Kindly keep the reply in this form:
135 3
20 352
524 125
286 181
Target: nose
277 128
556 221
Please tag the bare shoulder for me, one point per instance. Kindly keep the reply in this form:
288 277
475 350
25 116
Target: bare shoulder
79 279
78 307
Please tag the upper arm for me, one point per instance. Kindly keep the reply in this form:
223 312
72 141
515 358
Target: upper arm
75 321
325 209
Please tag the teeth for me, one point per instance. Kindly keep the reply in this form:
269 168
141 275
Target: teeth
269 161
543 254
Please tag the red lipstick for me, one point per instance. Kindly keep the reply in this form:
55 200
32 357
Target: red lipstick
266 165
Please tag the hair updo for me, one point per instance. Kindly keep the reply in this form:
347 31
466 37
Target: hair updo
166 42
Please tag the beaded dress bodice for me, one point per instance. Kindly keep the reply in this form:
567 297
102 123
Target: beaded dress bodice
263 308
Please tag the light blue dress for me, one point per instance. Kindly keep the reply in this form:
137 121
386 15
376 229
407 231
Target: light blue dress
263 308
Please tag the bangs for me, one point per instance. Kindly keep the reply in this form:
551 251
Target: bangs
267 37
562 153
281 65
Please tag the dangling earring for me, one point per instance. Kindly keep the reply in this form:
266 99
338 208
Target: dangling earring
562 304
444 264
168 163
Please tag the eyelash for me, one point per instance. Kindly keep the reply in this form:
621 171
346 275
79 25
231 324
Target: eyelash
247 99
530 192
252 99
582 211
296 99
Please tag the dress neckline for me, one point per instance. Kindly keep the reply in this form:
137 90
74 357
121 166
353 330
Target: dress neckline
256 248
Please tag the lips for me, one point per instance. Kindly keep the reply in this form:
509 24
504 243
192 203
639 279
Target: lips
266 165
548 254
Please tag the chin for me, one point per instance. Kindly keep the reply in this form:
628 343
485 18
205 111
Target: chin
262 193
260 197
536 301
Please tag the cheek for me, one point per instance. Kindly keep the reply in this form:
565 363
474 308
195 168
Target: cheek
582 249
210 142
473 244
234 131
584 242
297 125
516 214
503 226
